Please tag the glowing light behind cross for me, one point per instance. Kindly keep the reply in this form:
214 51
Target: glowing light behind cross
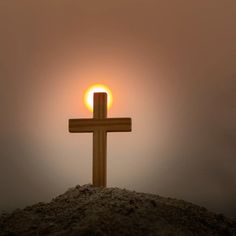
97 88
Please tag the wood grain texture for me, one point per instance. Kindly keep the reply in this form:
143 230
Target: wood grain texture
100 158
107 124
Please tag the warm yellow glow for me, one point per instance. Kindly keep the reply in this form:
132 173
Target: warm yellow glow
96 88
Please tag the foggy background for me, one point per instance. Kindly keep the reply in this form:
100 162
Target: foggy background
171 66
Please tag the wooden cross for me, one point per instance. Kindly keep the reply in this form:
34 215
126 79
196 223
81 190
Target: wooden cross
99 125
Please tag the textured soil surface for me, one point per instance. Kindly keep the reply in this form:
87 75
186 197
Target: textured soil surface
87 210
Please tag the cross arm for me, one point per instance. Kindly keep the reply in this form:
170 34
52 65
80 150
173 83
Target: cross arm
107 124
118 125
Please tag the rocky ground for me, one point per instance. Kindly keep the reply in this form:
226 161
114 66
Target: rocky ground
87 210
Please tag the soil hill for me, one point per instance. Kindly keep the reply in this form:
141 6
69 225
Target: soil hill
87 210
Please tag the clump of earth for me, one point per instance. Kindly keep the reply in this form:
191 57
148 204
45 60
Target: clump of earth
87 210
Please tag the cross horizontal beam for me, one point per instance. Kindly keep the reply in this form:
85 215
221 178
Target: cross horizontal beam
106 124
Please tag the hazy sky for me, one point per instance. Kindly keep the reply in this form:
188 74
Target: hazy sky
171 66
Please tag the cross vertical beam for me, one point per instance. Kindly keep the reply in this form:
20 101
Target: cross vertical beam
100 141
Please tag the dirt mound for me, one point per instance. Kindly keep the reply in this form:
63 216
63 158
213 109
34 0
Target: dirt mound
87 210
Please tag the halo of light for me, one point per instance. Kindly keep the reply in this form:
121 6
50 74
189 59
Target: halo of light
96 88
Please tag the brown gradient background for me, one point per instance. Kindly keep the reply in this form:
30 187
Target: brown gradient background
171 66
